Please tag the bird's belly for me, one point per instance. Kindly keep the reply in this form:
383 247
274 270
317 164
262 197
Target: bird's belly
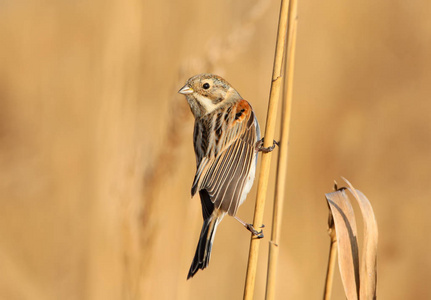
248 183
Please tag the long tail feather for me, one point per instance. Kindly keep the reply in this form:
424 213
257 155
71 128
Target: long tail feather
203 251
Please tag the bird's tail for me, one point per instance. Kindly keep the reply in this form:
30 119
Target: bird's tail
203 251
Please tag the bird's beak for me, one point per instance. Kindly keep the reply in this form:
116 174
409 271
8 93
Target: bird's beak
186 90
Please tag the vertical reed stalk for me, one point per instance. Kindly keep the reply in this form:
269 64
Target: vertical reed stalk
282 155
331 266
262 187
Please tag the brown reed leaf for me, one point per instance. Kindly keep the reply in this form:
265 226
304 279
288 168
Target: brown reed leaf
359 277
346 235
368 272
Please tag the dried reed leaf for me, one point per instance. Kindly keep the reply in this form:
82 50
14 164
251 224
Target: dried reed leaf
346 233
368 272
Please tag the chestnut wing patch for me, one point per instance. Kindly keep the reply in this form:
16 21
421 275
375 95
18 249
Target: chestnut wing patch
242 111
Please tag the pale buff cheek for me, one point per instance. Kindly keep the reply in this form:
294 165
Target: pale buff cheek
206 103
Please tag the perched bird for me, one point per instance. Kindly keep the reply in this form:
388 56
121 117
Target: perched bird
226 141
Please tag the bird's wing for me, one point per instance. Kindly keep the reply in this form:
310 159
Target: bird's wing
224 156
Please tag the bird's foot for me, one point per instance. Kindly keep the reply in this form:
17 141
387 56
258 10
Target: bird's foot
260 148
258 234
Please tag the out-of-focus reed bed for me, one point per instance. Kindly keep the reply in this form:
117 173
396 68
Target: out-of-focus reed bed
96 152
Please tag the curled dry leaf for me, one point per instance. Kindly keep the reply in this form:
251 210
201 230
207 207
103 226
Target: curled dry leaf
368 273
346 233
358 283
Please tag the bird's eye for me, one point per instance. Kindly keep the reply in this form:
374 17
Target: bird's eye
206 85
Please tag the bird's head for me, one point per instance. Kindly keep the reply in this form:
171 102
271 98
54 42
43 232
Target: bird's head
206 92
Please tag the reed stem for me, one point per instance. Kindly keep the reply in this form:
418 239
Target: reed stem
262 187
282 155
331 260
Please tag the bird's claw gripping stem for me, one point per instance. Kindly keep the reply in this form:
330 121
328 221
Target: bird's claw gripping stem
260 148
258 234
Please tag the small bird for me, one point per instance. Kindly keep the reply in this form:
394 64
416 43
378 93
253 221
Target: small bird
226 141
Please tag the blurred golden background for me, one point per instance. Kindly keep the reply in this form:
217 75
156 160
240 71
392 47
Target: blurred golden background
96 156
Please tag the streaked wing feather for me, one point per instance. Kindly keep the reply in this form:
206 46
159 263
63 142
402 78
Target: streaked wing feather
243 178
223 196
231 192
225 189
224 174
